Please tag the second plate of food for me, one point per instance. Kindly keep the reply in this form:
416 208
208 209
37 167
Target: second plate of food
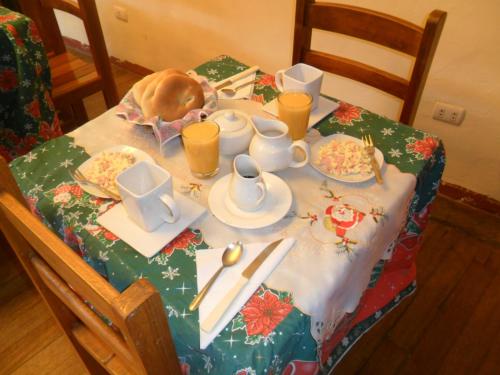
343 158
103 167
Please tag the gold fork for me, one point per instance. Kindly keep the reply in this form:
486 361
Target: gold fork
370 150
78 176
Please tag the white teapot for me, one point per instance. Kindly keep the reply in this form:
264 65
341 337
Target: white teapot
272 148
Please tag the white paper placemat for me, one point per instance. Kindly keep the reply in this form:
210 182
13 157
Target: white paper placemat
209 261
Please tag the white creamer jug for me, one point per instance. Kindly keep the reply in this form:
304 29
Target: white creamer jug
272 148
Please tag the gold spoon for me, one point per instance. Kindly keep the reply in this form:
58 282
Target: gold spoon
230 257
231 92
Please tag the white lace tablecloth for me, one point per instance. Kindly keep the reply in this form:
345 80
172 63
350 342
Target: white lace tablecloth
342 230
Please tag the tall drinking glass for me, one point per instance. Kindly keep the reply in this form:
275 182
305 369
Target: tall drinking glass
294 108
201 145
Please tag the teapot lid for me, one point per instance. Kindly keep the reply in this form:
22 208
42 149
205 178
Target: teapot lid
230 121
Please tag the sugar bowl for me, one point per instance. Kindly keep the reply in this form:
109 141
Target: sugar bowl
236 130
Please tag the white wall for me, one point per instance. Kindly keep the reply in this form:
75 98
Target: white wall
465 72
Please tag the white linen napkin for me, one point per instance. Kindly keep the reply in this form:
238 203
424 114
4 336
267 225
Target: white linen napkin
243 93
207 263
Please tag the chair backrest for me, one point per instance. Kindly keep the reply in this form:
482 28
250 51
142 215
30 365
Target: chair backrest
42 12
376 27
138 343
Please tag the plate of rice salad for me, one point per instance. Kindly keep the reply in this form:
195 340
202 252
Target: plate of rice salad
343 158
103 167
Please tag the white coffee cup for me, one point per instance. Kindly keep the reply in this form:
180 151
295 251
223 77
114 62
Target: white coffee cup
247 189
147 193
301 77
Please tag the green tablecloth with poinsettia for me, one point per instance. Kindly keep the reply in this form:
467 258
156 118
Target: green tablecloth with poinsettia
269 335
27 115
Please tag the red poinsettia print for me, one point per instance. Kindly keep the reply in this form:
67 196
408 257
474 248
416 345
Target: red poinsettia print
73 189
8 17
8 79
109 236
258 98
34 34
181 242
347 113
263 314
298 367
12 29
422 149
267 80
48 100
25 145
185 368
33 108
245 371
45 131
70 237
32 202
48 132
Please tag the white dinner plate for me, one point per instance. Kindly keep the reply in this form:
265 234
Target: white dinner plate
138 154
276 204
349 178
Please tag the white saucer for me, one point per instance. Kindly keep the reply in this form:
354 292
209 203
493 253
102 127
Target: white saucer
324 108
148 244
276 204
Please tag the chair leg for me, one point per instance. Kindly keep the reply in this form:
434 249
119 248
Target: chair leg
72 116
67 119
79 113
110 94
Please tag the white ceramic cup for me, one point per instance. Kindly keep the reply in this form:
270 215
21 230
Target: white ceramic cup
301 77
247 189
147 193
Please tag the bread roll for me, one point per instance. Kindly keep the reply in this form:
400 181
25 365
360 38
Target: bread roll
139 87
169 94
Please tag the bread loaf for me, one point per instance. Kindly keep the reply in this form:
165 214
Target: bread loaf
169 94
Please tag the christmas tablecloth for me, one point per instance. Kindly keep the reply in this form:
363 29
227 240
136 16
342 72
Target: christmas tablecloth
27 115
270 334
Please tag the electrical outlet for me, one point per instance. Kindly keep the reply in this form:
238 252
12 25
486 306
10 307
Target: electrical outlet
449 113
120 13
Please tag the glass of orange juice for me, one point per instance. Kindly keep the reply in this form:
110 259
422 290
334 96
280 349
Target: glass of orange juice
294 108
201 145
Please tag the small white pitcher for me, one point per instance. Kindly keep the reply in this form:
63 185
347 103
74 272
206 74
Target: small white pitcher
247 188
272 148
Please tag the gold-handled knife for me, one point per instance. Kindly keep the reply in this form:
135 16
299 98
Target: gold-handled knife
213 318
236 77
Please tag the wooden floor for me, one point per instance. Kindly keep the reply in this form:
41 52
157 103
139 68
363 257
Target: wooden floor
451 325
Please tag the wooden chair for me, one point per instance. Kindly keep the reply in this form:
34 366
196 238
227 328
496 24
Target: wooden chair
73 78
139 343
379 28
